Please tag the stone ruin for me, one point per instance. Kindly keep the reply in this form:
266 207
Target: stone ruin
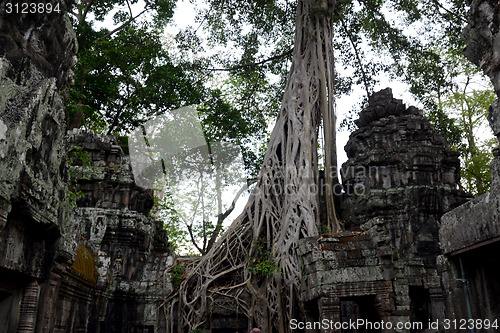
415 247
470 234
402 176
117 278
96 267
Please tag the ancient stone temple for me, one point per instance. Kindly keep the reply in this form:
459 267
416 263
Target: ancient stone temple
94 265
81 252
36 236
399 179
117 278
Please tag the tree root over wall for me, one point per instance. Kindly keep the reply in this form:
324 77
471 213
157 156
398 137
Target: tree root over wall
283 207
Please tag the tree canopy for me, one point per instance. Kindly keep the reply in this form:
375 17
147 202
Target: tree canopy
414 42
283 59
233 63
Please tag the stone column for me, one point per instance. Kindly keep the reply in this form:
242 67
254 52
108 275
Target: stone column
437 303
329 309
28 308
46 310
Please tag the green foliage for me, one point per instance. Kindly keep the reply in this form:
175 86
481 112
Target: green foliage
456 101
177 275
476 172
470 109
446 125
262 263
164 209
131 74
323 229
78 163
371 37
123 81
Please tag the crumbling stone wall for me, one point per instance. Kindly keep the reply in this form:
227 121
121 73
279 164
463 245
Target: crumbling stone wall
401 176
129 248
482 35
98 267
36 56
471 233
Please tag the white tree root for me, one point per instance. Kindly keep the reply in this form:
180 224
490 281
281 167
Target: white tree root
283 207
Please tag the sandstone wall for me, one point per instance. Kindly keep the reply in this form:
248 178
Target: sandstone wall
94 267
400 178
36 240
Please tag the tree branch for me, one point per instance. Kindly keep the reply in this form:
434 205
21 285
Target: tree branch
222 217
109 34
87 8
190 230
254 64
387 26
436 2
130 9
358 59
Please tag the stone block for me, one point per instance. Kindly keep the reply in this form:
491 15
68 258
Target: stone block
494 117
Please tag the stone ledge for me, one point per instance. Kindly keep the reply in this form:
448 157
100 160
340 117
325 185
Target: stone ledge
471 223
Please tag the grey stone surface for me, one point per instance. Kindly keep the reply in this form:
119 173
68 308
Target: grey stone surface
472 223
35 68
398 163
399 179
95 267
483 38
494 117
37 238
109 182
130 249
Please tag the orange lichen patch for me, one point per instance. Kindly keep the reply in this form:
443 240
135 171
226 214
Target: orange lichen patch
84 268
350 237
331 241
347 239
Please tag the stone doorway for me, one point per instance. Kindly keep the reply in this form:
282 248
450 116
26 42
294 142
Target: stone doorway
12 288
420 305
7 312
361 307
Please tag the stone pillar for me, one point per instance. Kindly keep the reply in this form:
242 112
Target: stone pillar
28 308
437 304
329 309
46 311
436 296
401 313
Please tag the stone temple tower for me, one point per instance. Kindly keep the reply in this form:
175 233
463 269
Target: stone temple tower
401 176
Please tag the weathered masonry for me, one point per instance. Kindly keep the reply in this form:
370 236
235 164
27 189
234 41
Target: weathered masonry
35 236
415 247
470 234
95 267
384 267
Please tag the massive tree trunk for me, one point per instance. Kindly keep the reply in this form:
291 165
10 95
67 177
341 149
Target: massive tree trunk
283 207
